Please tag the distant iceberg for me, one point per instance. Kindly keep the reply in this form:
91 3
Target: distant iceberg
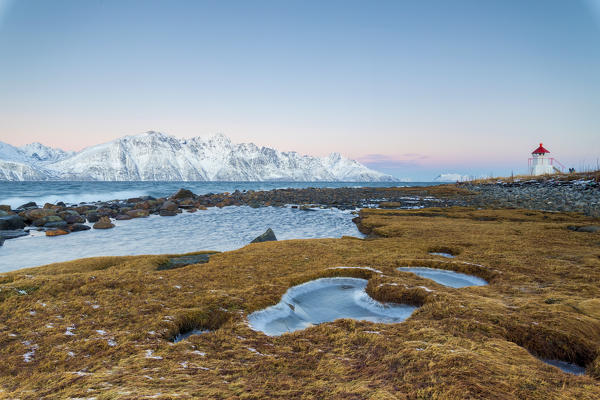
452 178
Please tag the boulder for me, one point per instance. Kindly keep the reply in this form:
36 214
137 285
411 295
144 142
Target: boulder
92 216
79 227
11 222
56 232
38 213
138 213
56 224
123 217
586 228
5 235
183 194
81 209
167 213
27 206
74 219
4 207
268 236
45 220
169 205
104 223
182 261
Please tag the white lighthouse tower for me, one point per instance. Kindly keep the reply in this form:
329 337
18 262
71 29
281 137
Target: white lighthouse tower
540 164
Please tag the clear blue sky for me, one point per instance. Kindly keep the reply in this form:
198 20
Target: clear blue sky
414 88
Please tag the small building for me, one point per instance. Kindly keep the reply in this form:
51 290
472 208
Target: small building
541 164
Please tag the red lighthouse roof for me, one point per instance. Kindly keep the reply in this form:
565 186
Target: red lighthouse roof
540 150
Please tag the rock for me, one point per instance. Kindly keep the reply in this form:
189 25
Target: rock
138 213
123 217
56 232
169 205
5 235
27 206
183 194
5 208
104 223
43 221
56 224
74 219
11 222
178 262
81 209
268 236
92 216
4 213
38 213
167 213
587 228
79 228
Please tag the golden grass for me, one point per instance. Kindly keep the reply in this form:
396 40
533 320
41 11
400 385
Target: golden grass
475 342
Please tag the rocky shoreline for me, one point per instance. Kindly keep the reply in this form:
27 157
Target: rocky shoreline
61 219
582 195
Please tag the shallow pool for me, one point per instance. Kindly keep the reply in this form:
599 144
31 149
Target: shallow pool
566 366
325 300
445 277
221 229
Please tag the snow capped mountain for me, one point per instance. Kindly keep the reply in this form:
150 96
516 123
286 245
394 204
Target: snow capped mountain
12 153
41 153
153 156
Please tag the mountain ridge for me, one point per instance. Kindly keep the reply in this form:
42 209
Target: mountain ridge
155 156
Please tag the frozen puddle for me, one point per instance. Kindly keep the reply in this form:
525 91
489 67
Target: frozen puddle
325 300
445 277
567 367
447 255
185 335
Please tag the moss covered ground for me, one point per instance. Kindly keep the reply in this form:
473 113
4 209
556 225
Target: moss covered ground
101 327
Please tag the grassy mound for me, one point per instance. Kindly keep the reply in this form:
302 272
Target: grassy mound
102 327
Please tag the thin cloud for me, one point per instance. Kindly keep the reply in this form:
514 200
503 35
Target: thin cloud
391 161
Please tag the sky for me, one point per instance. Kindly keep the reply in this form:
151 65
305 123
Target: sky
411 88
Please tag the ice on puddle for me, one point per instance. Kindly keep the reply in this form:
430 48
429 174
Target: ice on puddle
325 300
564 366
185 335
447 255
445 277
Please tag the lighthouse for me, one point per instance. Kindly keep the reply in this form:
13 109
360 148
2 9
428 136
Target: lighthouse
540 164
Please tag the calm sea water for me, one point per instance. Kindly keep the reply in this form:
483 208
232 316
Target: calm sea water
221 229
17 193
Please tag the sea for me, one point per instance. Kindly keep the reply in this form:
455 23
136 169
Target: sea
219 229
